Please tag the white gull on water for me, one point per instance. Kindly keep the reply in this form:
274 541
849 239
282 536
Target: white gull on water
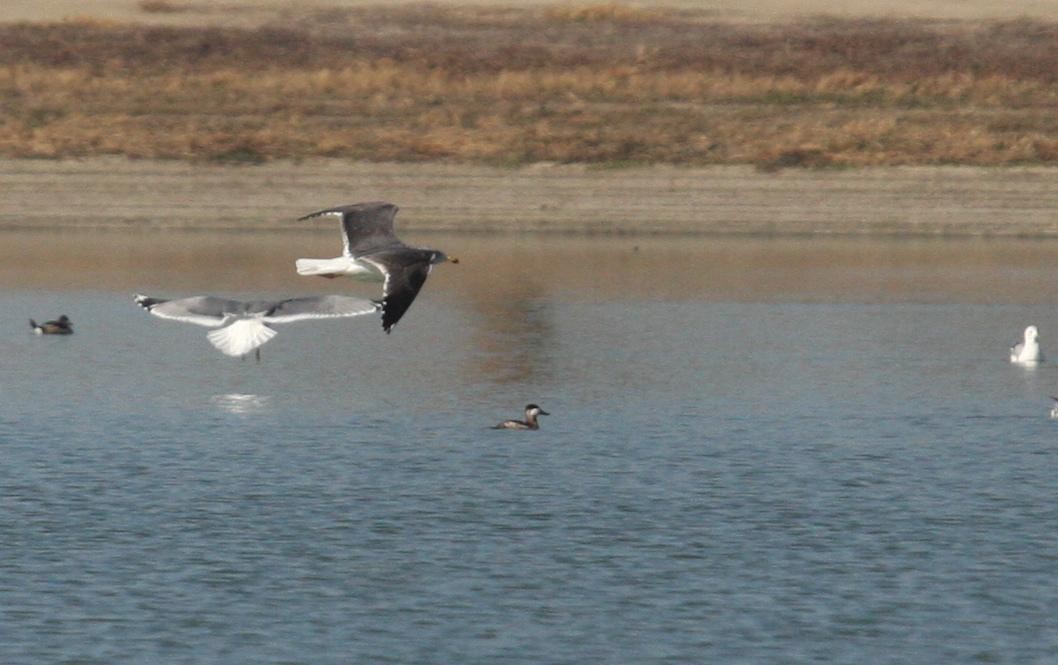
1027 351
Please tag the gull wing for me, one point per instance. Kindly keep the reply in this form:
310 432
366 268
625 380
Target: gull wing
318 307
366 227
403 281
206 311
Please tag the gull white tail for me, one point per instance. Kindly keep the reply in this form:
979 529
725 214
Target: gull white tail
241 336
342 266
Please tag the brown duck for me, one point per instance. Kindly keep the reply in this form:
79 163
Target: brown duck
61 326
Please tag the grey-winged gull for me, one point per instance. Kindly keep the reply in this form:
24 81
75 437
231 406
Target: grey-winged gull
1027 351
242 327
371 251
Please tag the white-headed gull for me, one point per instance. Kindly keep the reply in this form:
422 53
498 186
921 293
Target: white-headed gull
1028 350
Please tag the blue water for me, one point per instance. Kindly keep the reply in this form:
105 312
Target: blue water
720 481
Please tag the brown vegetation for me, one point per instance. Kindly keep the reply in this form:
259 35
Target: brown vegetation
598 83
160 7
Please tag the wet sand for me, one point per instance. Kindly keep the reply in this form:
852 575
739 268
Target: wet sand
914 201
255 12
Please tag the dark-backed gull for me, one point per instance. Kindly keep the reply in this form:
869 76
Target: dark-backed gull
242 327
371 251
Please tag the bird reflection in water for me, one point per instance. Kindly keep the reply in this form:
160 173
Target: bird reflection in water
515 333
241 404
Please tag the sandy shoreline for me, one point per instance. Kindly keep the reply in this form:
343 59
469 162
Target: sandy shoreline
253 12
151 195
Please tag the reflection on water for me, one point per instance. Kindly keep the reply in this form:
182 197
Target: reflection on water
241 404
506 270
514 333
759 450
505 290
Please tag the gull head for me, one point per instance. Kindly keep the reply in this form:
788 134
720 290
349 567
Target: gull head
441 257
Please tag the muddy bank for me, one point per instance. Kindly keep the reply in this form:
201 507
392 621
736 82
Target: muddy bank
119 193
254 12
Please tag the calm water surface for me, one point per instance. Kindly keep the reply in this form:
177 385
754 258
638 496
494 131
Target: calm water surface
761 451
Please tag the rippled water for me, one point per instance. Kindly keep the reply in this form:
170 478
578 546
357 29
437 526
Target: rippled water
760 451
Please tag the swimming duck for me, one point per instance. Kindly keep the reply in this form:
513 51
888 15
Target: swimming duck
61 326
530 422
1027 351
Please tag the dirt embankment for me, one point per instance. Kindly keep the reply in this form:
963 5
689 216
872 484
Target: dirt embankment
119 193
648 118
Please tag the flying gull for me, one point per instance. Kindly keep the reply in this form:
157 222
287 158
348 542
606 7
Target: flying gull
1027 351
372 252
242 327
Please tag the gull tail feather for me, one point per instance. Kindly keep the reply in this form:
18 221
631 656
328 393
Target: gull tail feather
342 266
325 267
241 337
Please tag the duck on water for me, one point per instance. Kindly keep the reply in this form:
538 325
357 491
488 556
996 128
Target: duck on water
530 422
61 326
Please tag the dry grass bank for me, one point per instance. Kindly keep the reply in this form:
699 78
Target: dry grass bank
600 84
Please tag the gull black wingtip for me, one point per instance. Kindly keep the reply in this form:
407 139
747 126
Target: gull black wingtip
354 209
318 213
